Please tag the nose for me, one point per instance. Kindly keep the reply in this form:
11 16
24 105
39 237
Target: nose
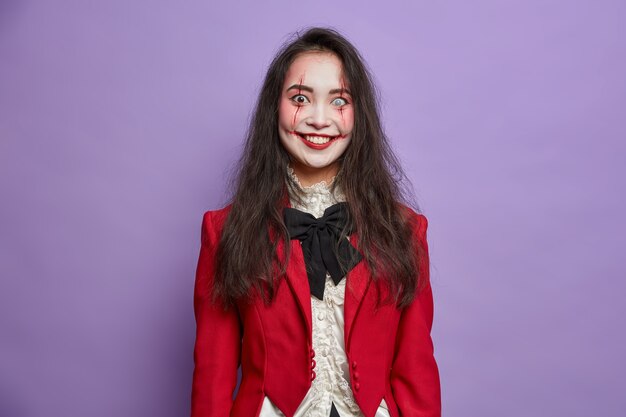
319 118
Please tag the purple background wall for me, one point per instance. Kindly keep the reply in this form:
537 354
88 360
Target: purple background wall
119 121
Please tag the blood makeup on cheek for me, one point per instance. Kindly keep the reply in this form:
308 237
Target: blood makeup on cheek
297 109
343 87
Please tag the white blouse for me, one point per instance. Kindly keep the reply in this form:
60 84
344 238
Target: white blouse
332 381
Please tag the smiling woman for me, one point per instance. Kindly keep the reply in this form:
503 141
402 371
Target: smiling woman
314 279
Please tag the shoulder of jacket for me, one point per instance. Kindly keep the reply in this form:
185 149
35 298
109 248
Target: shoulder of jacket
216 218
418 221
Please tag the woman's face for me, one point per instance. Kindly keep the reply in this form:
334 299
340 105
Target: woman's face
315 115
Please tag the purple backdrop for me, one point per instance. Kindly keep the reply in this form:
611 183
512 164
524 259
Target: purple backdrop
119 121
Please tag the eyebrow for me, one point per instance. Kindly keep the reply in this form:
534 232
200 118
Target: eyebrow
310 90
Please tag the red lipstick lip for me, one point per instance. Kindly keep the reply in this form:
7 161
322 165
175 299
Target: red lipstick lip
315 145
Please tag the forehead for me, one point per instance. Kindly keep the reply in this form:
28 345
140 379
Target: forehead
316 68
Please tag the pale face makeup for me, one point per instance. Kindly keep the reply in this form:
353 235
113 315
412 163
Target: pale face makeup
315 116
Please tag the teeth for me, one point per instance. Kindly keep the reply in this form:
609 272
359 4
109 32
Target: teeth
317 139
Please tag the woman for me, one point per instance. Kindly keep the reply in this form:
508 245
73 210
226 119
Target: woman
315 278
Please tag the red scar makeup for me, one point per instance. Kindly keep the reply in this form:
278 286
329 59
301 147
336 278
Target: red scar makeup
295 113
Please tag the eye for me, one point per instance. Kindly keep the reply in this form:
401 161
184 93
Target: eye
340 101
300 99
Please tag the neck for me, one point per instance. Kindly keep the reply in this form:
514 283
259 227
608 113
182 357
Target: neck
309 176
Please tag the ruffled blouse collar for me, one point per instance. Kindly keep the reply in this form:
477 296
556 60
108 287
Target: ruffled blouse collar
315 197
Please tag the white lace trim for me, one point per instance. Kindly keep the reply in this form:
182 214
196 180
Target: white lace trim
318 186
316 197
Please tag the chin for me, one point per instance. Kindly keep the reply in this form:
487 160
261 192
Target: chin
317 162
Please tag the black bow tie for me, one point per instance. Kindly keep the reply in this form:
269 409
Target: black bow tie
318 237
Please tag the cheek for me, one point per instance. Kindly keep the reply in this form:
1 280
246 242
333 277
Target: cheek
346 116
288 116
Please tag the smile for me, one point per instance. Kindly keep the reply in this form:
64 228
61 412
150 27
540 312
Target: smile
316 140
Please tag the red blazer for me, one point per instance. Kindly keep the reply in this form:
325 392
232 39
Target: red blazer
390 351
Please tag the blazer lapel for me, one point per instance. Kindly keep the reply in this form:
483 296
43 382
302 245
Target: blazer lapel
357 283
296 276
297 279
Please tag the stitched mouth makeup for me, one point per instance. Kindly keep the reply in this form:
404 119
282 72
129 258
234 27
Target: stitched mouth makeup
316 140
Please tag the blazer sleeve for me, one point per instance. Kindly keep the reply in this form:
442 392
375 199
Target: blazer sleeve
218 337
414 373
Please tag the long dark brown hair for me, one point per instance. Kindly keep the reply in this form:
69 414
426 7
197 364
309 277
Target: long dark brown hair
370 176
